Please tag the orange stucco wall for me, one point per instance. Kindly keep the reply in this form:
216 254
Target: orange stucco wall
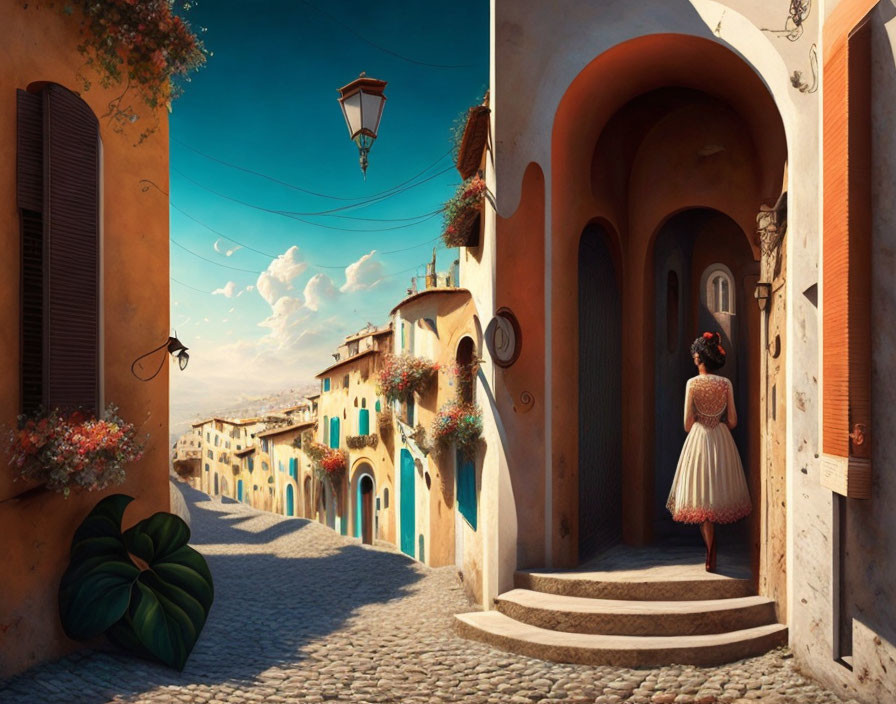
520 287
38 43
672 165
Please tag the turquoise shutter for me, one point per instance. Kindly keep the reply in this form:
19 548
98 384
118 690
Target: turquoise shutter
466 489
292 467
334 432
364 422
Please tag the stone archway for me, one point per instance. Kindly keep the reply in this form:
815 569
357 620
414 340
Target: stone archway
655 126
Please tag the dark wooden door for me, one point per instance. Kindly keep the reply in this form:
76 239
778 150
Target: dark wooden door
600 397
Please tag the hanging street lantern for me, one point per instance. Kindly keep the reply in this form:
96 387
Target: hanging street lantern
362 103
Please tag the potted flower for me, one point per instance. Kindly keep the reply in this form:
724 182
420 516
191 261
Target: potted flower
75 451
401 376
460 423
461 214
328 463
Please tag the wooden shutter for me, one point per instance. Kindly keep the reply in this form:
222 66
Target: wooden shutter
29 198
846 278
71 251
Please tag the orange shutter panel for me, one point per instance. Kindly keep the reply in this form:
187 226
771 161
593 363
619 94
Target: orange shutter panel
846 284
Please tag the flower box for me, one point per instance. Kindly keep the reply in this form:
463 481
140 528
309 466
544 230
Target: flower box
462 214
356 442
401 376
458 423
75 451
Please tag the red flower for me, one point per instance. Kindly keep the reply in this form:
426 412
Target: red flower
708 336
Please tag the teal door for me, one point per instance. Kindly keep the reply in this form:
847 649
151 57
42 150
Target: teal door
239 490
407 503
364 422
290 501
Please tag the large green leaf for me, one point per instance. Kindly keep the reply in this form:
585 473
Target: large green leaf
157 612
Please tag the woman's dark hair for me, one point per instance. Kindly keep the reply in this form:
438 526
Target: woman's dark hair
708 347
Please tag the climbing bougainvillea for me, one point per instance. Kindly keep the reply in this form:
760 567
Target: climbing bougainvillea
144 41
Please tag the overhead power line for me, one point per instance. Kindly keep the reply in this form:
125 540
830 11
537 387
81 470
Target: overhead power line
300 188
293 214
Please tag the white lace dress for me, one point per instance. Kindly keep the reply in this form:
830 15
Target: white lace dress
709 483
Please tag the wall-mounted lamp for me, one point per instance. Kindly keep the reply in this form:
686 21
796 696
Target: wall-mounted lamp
178 350
762 293
174 347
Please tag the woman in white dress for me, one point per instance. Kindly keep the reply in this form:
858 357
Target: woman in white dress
709 485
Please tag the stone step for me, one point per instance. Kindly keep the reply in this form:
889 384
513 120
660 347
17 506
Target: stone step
573 614
501 631
664 583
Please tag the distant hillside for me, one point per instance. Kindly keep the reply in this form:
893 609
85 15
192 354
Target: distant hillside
245 407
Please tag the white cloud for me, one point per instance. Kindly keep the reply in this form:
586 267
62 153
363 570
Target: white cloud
286 314
276 280
227 290
319 289
221 249
363 274
231 310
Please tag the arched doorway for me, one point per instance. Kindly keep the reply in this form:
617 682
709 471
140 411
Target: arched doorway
704 276
306 491
600 395
364 508
290 501
655 126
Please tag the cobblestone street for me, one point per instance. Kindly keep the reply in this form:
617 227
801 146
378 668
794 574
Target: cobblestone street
302 614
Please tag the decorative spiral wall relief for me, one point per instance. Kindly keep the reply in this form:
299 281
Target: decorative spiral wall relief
525 403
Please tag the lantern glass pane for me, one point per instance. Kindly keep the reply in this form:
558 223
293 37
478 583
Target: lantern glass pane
371 109
351 106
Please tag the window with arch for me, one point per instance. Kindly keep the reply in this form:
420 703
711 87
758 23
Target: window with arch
718 289
466 352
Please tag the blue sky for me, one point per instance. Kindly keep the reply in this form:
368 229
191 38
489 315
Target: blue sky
266 102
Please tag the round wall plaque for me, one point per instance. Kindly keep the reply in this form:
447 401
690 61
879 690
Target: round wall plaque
504 338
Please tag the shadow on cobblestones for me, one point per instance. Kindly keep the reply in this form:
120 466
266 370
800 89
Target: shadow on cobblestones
280 584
